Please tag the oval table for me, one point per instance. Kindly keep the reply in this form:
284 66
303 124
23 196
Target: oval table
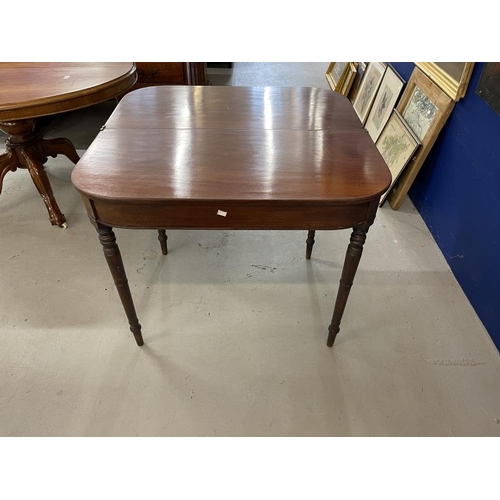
32 90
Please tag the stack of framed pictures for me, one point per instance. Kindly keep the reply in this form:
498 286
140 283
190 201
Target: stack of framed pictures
341 75
384 102
368 89
374 103
378 94
403 129
425 107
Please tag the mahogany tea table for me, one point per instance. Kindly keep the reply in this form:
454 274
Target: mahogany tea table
31 90
232 158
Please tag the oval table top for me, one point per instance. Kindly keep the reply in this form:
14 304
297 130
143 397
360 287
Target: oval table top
30 90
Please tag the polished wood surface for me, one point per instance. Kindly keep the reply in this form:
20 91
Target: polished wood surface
233 144
31 90
233 158
222 108
239 215
228 165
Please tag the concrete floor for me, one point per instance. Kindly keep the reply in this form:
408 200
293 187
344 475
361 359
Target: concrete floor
234 323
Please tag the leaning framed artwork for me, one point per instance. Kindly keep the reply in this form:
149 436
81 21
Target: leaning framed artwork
335 74
368 89
353 92
425 108
350 74
384 102
452 77
397 144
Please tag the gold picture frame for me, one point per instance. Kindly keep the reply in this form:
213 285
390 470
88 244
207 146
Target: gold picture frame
349 77
452 77
336 74
353 92
425 107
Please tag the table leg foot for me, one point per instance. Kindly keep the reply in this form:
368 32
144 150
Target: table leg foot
309 243
352 258
8 163
42 183
162 238
60 146
115 264
25 149
332 335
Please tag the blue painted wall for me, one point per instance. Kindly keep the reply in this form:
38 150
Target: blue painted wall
457 192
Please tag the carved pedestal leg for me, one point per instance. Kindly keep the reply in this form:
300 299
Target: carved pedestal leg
162 237
309 243
353 255
8 163
115 263
42 183
25 149
60 146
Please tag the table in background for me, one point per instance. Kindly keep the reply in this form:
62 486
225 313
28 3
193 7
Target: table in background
232 158
31 90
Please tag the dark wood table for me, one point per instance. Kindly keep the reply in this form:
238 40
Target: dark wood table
232 158
31 90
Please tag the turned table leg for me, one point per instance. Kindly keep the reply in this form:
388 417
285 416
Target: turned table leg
115 263
353 255
26 149
309 243
162 238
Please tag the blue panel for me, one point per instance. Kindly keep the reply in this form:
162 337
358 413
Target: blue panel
404 69
457 192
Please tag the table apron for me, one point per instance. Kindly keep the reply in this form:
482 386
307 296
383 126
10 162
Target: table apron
227 215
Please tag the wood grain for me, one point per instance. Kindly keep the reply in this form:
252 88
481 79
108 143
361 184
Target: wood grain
37 89
270 108
232 165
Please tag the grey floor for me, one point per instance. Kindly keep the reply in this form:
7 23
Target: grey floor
234 322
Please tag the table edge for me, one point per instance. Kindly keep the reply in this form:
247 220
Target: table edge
70 101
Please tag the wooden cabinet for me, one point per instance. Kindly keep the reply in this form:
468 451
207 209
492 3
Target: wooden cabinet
170 73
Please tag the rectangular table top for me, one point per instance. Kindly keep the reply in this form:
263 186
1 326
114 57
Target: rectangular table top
233 144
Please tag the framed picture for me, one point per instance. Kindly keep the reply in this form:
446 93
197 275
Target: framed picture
425 108
350 74
397 145
368 89
384 102
357 80
335 74
452 77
